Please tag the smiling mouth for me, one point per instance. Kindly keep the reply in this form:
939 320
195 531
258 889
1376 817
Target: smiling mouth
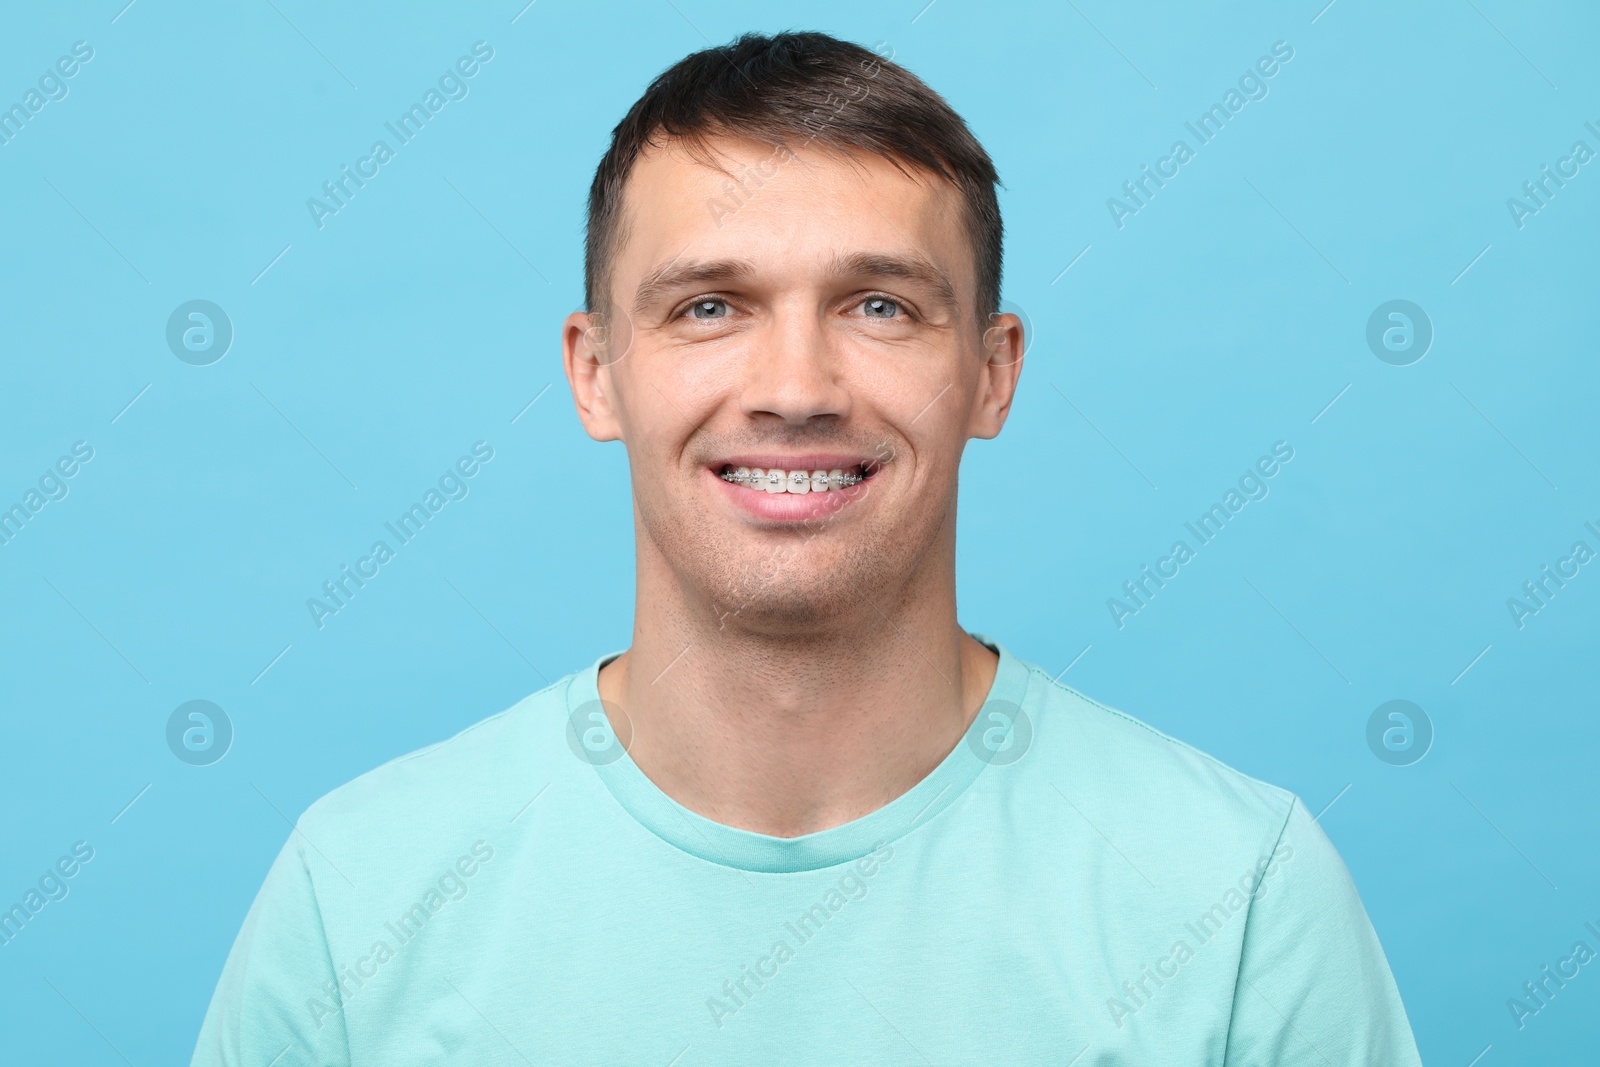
800 480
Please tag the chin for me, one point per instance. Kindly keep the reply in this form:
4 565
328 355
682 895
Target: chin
787 617
786 603
787 585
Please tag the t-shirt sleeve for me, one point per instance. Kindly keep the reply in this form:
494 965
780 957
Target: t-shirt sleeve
278 1000
1314 988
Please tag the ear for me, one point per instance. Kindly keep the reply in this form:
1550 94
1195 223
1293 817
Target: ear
1001 351
584 358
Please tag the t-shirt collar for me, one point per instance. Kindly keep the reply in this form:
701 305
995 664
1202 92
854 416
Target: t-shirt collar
744 849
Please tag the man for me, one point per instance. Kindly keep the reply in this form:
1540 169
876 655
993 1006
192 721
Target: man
804 818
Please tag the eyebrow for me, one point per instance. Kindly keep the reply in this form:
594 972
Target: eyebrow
672 276
912 267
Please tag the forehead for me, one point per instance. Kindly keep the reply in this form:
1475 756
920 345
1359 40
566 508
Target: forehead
789 210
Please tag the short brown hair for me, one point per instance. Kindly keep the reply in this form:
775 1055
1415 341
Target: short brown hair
805 87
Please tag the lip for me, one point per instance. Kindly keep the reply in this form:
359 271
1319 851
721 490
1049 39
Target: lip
786 507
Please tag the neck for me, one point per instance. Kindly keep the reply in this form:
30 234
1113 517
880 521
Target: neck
788 733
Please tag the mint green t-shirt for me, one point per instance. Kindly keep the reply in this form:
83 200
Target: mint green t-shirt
1068 886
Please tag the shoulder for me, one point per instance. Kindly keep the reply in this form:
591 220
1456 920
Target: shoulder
1152 786
461 780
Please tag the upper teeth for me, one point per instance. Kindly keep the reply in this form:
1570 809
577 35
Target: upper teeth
775 480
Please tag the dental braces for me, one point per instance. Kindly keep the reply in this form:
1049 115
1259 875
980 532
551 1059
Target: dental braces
790 481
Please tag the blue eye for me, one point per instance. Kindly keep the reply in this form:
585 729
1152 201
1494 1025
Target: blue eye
879 307
707 309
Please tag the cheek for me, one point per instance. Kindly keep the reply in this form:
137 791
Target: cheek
700 382
906 391
670 385
933 413
647 425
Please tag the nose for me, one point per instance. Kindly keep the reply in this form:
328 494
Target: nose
793 370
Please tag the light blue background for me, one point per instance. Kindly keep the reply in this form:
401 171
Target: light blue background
1223 317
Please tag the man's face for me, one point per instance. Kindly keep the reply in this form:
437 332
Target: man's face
819 316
